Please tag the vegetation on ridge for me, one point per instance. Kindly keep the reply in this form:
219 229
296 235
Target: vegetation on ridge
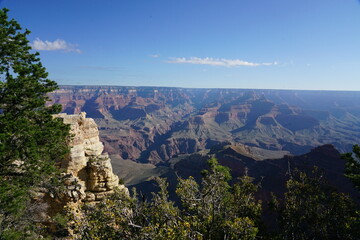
314 210
353 166
213 209
31 141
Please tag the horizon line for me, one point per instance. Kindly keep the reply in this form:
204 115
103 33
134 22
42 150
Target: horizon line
208 88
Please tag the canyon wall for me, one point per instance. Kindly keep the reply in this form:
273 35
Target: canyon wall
156 124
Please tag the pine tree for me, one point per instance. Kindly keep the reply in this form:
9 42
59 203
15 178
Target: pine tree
352 170
217 210
314 210
31 140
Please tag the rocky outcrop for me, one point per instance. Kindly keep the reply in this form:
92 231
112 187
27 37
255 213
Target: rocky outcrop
89 176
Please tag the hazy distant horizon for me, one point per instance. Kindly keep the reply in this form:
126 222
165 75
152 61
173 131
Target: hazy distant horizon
210 88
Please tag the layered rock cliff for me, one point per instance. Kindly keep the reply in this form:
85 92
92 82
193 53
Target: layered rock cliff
89 176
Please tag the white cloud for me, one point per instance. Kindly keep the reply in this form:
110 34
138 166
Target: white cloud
57 45
155 55
219 62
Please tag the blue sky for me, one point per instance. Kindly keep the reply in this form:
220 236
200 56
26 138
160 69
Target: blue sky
277 44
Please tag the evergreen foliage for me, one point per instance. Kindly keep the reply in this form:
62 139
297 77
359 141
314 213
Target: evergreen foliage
314 210
219 211
212 210
31 141
124 217
352 170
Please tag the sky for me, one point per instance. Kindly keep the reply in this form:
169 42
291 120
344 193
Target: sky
277 44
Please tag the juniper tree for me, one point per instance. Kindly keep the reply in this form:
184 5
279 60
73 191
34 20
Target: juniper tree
352 170
217 210
31 140
314 210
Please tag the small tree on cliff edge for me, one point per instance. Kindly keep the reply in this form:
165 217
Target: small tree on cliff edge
31 141
352 170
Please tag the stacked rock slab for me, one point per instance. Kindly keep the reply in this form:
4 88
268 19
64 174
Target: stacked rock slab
87 167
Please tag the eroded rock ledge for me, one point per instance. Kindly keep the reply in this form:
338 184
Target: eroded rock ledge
89 176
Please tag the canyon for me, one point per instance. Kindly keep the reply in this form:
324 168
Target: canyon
168 132
155 124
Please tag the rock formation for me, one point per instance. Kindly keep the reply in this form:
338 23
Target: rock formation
89 176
